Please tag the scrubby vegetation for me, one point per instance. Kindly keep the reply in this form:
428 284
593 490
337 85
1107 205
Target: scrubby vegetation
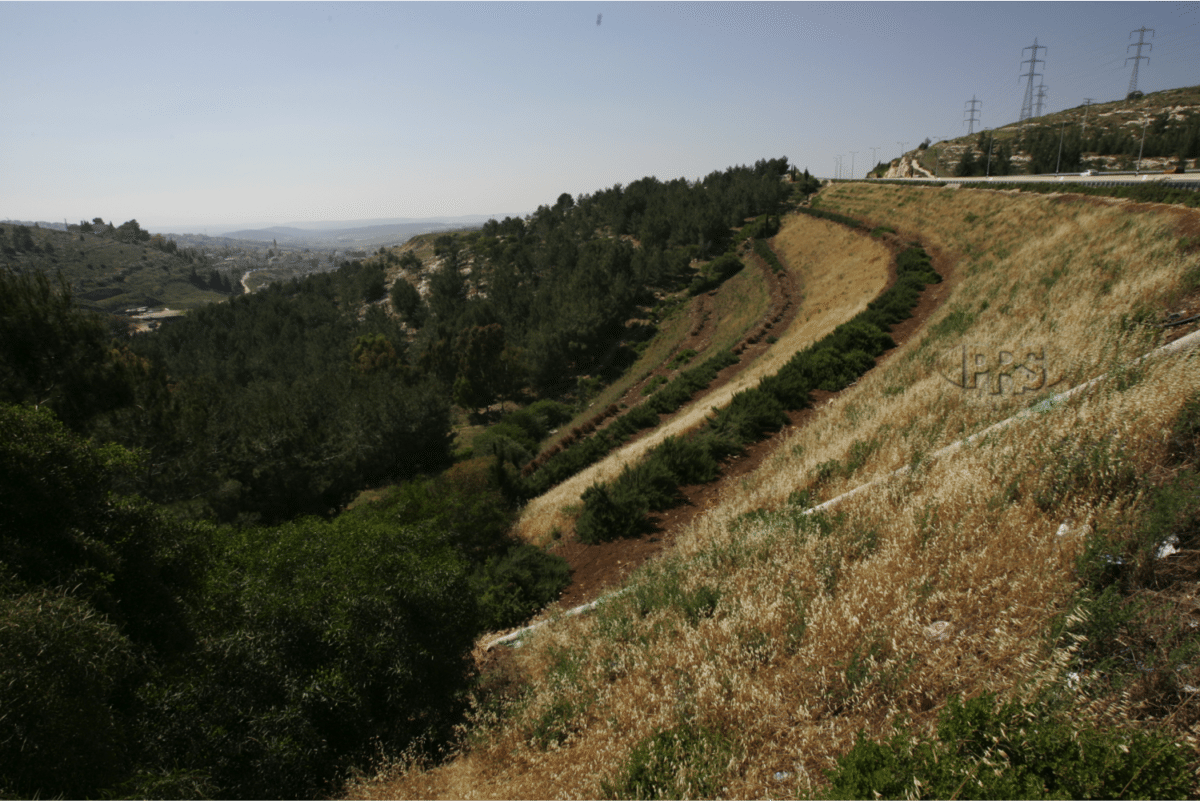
189 608
976 614
831 364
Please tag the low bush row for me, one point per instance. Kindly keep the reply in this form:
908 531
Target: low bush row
833 363
767 255
832 216
563 463
1148 192
715 273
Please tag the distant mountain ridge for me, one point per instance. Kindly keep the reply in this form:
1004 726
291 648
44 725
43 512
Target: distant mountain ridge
364 236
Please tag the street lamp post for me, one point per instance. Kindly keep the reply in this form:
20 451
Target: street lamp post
1062 131
1138 169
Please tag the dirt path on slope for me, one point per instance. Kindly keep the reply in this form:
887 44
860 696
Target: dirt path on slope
841 272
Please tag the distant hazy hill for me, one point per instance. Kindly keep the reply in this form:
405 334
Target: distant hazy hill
360 237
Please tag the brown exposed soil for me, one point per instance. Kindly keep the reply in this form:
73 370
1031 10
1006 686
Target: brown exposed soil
596 569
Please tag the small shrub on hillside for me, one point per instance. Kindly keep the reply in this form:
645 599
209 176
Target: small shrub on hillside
681 358
512 587
611 512
653 384
715 273
767 255
749 415
685 761
689 460
983 749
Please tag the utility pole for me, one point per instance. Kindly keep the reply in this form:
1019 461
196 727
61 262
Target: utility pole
1041 98
937 157
1141 32
973 112
852 152
991 145
1061 132
1027 105
1138 169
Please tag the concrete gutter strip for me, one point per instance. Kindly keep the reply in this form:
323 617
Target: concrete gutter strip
516 636
1183 343
1192 340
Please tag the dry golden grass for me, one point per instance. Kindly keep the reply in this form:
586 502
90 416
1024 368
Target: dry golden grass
938 582
840 273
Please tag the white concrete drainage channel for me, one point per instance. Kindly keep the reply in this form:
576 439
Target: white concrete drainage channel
1183 343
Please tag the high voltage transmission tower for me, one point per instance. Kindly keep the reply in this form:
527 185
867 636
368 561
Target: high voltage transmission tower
1141 32
1041 98
1027 105
973 112
1088 101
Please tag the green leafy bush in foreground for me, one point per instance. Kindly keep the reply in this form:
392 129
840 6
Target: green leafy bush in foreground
983 749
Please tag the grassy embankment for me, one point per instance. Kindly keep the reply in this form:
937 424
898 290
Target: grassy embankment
767 640
839 273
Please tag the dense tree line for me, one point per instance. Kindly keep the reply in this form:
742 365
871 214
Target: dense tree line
547 295
184 613
145 656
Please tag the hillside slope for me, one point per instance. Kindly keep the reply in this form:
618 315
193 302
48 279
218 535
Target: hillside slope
768 638
839 272
1162 128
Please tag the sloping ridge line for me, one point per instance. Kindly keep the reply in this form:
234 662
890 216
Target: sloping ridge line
1188 342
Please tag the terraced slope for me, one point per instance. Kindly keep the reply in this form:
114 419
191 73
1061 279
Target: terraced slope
747 660
840 272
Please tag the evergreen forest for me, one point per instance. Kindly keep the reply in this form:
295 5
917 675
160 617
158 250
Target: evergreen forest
190 605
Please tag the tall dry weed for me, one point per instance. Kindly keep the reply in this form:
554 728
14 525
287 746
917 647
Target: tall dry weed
789 633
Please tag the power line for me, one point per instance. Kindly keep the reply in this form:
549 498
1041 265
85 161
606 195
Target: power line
973 118
1027 105
1141 32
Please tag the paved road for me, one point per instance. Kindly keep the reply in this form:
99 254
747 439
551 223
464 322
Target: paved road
1189 180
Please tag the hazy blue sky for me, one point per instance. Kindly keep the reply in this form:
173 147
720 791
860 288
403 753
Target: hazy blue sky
189 114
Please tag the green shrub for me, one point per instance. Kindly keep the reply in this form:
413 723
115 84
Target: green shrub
767 255
689 461
512 587
681 358
685 761
653 384
63 669
609 513
715 273
749 415
983 749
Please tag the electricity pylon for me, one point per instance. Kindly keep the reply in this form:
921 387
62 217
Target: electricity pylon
1027 105
973 112
1141 32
